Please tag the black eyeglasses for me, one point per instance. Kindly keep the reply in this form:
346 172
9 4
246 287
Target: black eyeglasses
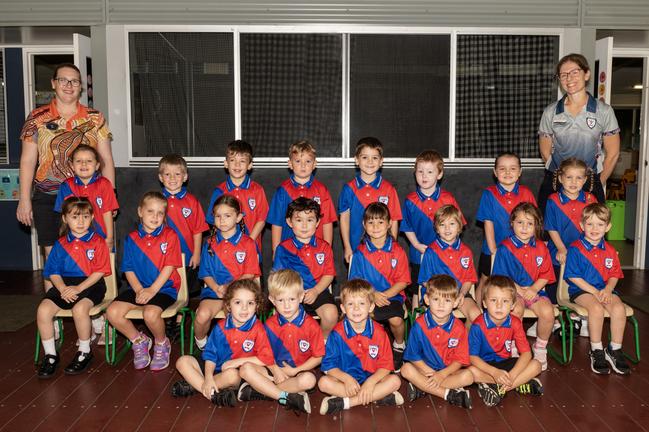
64 82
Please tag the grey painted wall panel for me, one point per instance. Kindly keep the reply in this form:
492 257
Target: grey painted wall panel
64 12
616 14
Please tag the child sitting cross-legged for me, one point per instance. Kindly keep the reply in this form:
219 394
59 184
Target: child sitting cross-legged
438 347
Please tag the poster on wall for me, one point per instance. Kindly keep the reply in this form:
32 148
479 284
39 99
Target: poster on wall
89 81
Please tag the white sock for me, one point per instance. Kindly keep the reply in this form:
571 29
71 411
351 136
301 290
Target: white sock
596 346
615 346
346 403
84 346
401 345
49 346
200 343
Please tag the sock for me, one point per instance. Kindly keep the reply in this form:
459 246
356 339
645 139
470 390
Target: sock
282 398
49 346
98 324
200 343
541 344
401 345
164 341
615 346
346 403
84 346
596 346
446 392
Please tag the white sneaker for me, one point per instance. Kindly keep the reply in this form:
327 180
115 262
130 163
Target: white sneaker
583 331
531 332
541 354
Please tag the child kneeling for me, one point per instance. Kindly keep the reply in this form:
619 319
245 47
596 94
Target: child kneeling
438 347
358 359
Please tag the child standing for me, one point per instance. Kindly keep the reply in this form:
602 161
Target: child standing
367 187
298 348
526 260
228 255
438 347
150 263
383 263
358 360
302 183
447 255
592 271
77 265
496 204
238 339
312 258
251 196
490 340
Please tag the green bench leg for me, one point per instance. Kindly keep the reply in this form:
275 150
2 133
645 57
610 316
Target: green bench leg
636 336
563 358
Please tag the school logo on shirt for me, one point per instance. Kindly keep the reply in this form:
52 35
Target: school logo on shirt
453 342
90 253
248 345
99 202
464 261
374 351
384 200
591 122
539 261
240 256
320 257
304 345
316 199
252 203
186 212
608 263
163 248
393 262
508 346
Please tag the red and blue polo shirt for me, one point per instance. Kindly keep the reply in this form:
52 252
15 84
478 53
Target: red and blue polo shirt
383 267
185 215
437 345
294 342
496 204
78 256
419 216
228 342
146 254
455 260
524 263
311 260
356 195
288 191
595 264
358 354
99 192
492 342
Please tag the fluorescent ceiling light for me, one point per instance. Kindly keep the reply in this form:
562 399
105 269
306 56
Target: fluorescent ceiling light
637 87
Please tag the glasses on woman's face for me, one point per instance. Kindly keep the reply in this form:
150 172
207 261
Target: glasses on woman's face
574 73
64 82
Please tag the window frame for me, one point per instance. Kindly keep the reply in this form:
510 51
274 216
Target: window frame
6 160
347 160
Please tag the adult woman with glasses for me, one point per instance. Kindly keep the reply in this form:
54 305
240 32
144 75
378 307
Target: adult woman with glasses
49 136
580 126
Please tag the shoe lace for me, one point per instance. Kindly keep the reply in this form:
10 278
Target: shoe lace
158 352
140 348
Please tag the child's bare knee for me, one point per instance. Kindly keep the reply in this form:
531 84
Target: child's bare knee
152 314
306 380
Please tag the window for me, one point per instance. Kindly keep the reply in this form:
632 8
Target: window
399 92
503 84
4 150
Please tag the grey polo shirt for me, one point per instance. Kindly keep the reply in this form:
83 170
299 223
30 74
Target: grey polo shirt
580 136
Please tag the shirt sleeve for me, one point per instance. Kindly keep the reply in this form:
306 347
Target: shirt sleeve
332 357
316 340
110 202
64 193
385 360
263 348
262 205
616 270
214 348
207 262
251 263
345 199
102 259
406 224
128 256
574 264
426 266
551 222
461 351
394 205
30 128
522 345
547 270
54 262
102 127
278 205
502 263
485 210
609 121
209 217
329 266
469 273
173 256
475 340
401 271
413 347
545 126
197 224
327 207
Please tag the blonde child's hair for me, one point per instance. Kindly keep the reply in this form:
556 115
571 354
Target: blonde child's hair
302 146
284 280
74 205
442 285
357 287
448 211
572 163
599 210
528 209
172 160
243 284
152 196
500 282
431 156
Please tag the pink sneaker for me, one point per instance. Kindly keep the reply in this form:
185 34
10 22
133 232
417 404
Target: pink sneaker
141 357
161 354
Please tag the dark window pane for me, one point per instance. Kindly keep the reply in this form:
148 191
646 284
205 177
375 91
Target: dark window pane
503 84
182 93
399 92
3 133
291 89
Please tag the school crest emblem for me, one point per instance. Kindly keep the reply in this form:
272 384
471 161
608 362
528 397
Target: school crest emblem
320 257
248 345
252 203
99 202
316 199
539 261
464 262
393 262
384 200
186 212
591 122
240 256
304 345
374 351
608 263
508 346
90 253
163 248
453 342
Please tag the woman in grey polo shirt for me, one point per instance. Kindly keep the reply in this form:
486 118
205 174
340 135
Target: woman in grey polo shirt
578 125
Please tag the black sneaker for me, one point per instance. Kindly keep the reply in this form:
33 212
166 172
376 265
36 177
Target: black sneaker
397 355
414 393
172 329
616 359
79 364
393 399
247 393
460 398
533 387
331 405
298 402
227 397
489 394
182 389
598 362
48 366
